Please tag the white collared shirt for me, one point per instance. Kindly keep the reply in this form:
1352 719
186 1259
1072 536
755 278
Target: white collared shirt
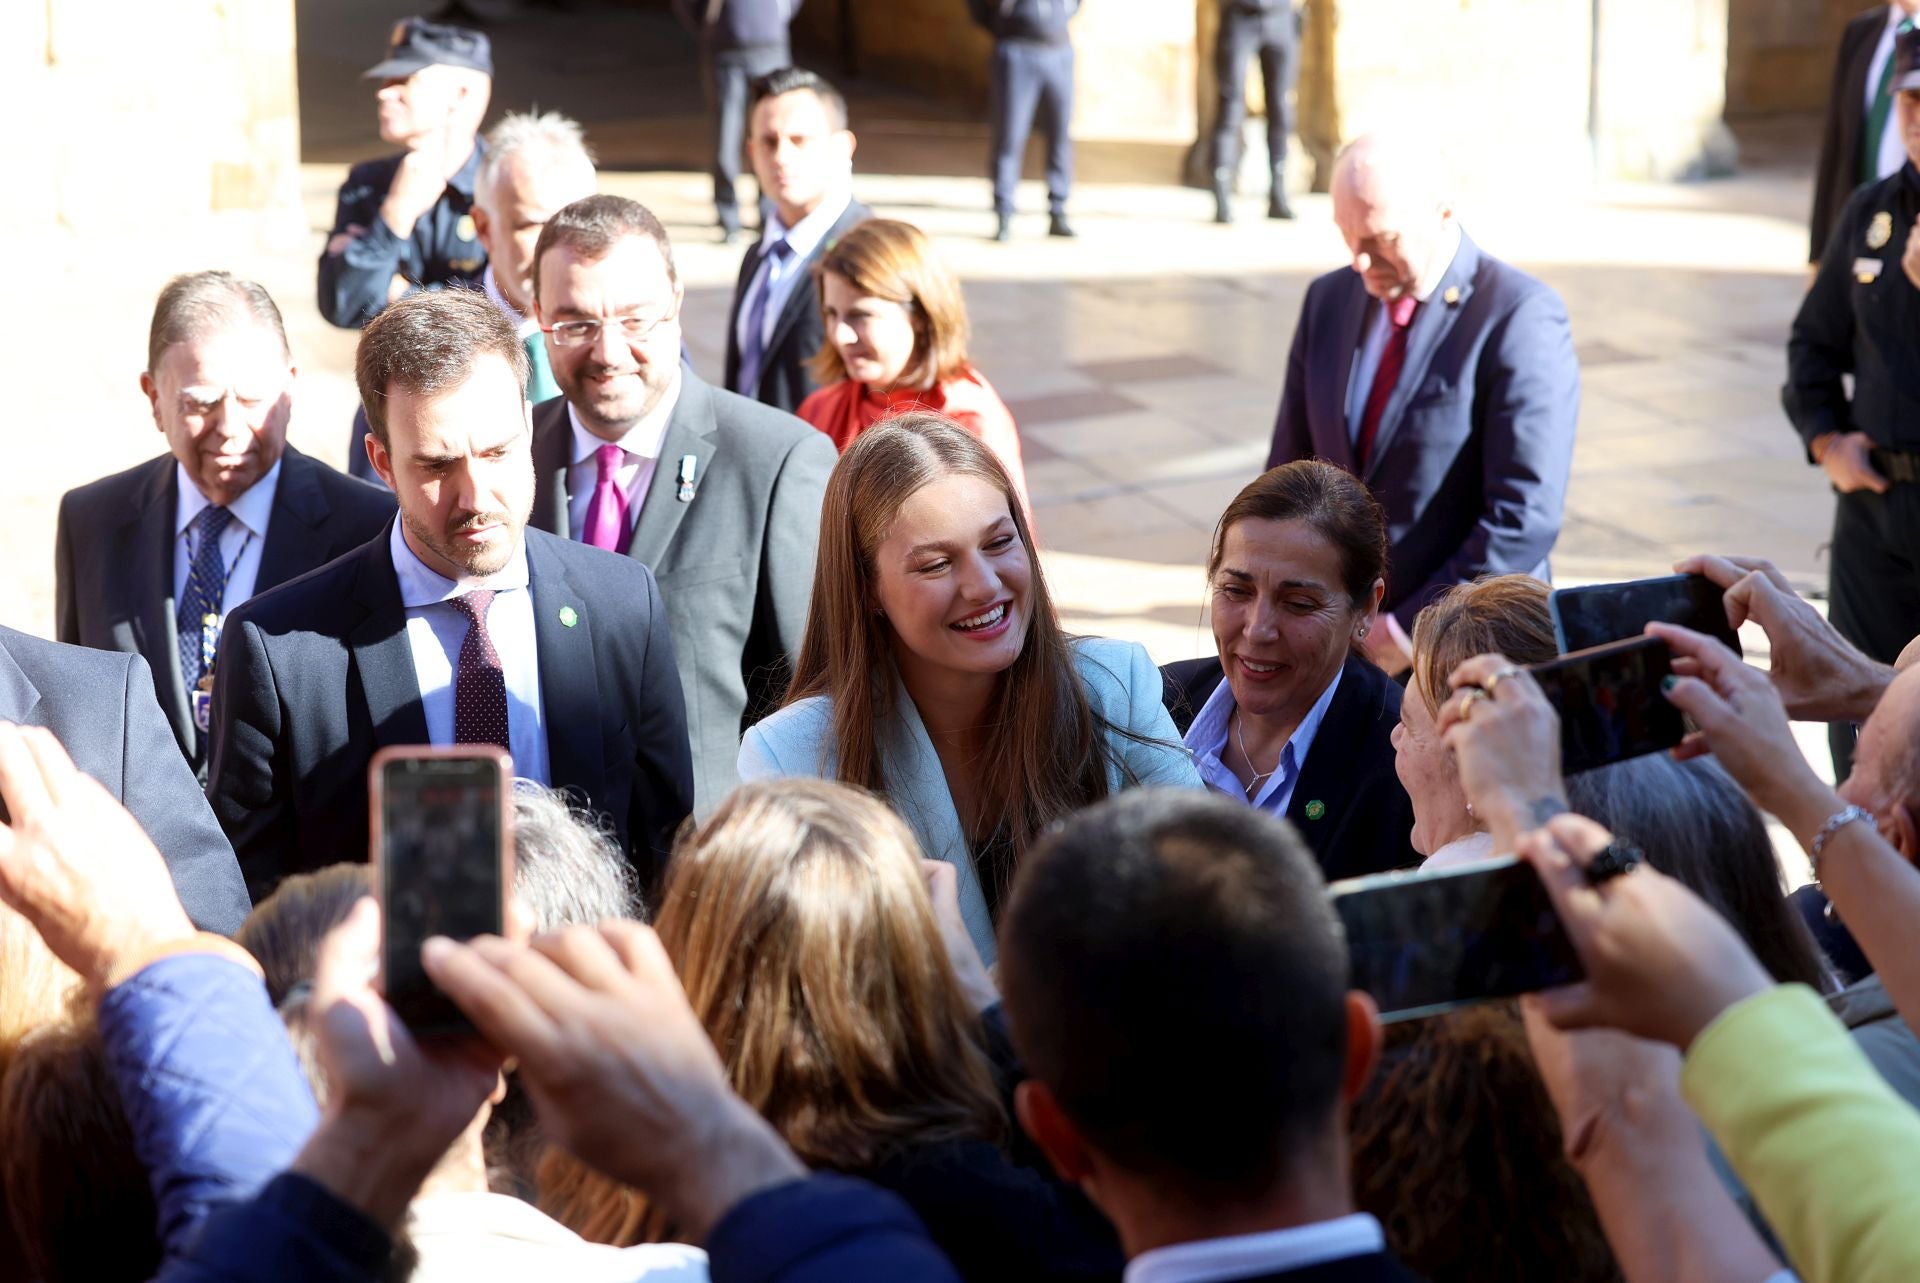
240 542
1207 739
1366 361
1893 148
640 454
436 629
1270 1252
781 276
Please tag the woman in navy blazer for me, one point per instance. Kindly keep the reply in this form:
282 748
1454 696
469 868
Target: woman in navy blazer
1289 716
933 670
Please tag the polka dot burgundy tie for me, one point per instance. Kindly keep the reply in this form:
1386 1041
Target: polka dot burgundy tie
479 686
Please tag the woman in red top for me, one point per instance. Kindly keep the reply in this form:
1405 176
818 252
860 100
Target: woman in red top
897 341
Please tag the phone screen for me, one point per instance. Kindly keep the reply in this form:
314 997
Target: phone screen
442 870
1611 704
1600 613
1424 943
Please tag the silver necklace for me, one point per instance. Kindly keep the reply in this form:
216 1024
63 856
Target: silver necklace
1240 738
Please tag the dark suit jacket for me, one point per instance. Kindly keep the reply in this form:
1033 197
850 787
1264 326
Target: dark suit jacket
1375 1267
1838 172
784 382
113 559
734 563
316 674
1471 460
1367 824
101 709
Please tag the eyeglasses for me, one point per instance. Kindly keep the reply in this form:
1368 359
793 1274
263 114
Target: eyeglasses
632 328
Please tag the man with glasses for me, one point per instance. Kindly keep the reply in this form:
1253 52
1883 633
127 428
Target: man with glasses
718 494
150 560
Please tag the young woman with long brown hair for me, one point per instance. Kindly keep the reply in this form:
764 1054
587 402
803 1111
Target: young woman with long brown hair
933 670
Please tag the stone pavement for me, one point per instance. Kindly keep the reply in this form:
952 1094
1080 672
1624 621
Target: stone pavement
1143 362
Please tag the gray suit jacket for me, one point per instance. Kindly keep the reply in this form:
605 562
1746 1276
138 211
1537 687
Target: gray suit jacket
113 559
1123 687
101 709
734 562
1471 462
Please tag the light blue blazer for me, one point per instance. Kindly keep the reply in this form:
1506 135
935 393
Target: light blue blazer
1123 687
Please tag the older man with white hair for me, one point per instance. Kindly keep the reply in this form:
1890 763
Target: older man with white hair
536 163
1440 376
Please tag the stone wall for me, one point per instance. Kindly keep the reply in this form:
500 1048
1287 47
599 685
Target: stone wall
177 124
1780 53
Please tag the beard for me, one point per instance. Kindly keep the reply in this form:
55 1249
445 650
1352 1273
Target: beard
474 560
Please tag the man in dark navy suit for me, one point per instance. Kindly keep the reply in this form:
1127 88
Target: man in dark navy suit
1176 983
455 625
1440 376
139 563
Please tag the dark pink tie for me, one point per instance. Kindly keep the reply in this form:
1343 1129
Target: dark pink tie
607 510
479 686
1392 357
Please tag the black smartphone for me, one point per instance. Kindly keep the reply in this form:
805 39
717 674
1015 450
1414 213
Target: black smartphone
1424 943
1600 613
442 821
1611 703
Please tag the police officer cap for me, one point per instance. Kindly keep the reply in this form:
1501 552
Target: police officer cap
1906 59
417 43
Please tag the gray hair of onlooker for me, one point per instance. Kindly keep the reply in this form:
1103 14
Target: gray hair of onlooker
546 134
196 304
570 870
1695 824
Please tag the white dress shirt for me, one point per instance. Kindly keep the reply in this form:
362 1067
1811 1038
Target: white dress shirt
240 542
1366 362
436 629
640 454
1893 148
1208 735
1471 849
1269 1252
780 277
467 1236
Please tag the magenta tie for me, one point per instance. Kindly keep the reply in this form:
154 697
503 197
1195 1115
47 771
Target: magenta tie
607 510
479 684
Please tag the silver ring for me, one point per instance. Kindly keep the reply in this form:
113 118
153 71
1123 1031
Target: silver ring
1494 679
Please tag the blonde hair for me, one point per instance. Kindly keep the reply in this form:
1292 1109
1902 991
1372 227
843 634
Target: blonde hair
886 259
1504 613
799 922
35 987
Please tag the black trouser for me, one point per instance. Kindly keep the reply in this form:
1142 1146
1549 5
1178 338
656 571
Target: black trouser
1028 79
1874 583
1275 36
729 73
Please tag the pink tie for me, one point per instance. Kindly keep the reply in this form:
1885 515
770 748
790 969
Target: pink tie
607 510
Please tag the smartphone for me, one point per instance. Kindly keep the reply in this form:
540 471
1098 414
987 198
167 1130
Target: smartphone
1602 613
442 821
1424 943
1611 703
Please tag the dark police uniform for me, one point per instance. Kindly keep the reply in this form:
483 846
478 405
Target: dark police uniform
1862 318
740 40
1032 74
444 248
1271 29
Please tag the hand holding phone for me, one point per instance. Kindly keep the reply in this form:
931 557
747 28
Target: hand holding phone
1600 613
1425 943
443 858
1612 703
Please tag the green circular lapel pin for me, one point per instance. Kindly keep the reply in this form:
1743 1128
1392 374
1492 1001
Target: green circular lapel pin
568 616
1316 809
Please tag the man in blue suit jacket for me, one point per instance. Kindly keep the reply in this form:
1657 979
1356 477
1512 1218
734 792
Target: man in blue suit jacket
1441 377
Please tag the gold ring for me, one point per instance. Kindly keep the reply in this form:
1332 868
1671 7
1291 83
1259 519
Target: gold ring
1494 679
1468 698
